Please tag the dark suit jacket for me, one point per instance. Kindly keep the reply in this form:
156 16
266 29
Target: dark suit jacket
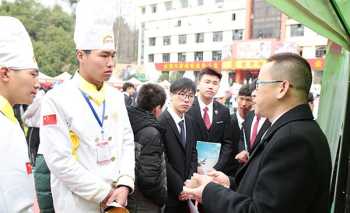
246 130
219 132
288 172
181 161
128 100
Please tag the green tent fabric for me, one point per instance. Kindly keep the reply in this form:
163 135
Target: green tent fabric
330 18
319 16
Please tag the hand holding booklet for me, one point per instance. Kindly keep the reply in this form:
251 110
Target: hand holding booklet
208 154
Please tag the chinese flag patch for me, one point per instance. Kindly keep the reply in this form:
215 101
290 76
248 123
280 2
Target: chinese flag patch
29 168
50 119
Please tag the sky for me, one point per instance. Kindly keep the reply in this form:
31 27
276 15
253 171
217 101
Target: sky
127 8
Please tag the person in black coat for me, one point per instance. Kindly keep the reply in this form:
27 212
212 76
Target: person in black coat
244 106
246 147
289 171
129 91
218 127
180 144
150 169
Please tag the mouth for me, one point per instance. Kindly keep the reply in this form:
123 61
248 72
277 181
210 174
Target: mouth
108 72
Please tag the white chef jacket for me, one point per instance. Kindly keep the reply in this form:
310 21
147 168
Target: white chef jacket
16 181
78 182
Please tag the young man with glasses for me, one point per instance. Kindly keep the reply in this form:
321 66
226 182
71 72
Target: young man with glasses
290 169
180 144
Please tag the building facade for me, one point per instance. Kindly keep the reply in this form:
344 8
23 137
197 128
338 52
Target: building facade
229 35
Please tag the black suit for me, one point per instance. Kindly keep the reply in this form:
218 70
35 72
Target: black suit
219 132
246 131
181 161
288 172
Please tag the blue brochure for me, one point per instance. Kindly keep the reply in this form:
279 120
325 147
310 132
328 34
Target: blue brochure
208 154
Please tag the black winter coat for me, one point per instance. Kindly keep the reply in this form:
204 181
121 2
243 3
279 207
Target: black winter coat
150 170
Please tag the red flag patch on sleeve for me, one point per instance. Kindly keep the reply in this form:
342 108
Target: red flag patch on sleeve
29 168
50 119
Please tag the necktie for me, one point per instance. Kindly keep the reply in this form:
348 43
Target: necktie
182 133
206 118
255 131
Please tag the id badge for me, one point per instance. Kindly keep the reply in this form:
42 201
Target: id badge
104 154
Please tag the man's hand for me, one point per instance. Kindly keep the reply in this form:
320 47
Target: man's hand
200 182
220 178
119 195
242 157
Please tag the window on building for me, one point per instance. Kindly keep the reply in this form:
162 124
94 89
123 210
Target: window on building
166 57
233 16
267 20
184 3
320 51
178 24
217 36
182 39
181 57
198 56
216 55
296 30
168 5
152 41
200 2
151 58
199 37
143 10
166 40
237 34
154 8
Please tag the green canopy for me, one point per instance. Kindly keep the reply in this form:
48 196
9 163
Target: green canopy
331 18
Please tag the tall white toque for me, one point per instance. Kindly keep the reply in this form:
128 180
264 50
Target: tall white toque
16 49
94 24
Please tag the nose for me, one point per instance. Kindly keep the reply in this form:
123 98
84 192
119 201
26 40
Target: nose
36 83
110 61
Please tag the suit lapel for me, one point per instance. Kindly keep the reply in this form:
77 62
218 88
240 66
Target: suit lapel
198 115
215 118
173 127
261 133
301 112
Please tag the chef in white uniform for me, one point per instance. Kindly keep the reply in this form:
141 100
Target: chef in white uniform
18 85
85 134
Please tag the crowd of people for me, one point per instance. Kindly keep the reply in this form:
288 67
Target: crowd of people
93 148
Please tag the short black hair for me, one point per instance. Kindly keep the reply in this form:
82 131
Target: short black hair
310 97
245 90
209 71
183 84
127 85
150 96
292 67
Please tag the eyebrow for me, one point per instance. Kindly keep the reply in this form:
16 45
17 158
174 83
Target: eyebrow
109 52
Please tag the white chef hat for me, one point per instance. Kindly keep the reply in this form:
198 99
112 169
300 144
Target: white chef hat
16 50
94 24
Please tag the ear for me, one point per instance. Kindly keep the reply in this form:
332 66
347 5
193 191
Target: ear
4 74
157 111
283 89
80 55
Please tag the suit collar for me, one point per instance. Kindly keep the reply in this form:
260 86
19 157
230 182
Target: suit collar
300 112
